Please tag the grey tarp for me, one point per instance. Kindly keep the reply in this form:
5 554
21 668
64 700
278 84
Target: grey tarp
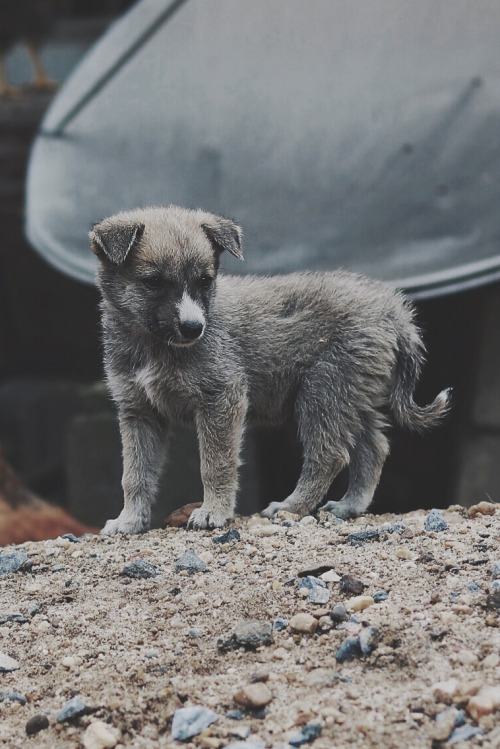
338 133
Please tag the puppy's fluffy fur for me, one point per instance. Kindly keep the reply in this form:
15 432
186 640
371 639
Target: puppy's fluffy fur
337 352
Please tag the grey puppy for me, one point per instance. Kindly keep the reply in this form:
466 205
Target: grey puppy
337 352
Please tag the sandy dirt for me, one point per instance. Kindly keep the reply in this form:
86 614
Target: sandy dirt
137 650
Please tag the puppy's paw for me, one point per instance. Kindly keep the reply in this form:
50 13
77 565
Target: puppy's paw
125 523
275 507
202 519
341 509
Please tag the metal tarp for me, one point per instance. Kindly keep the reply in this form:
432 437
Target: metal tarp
338 133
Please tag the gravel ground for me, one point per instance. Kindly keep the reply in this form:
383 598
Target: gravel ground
405 651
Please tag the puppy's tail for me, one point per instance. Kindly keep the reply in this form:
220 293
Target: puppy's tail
409 360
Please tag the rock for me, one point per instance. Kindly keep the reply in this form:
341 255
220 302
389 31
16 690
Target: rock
349 584
257 744
339 614
445 723
178 518
99 735
7 663
279 624
404 553
318 592
36 724
190 562
71 537
303 623
13 697
190 721
369 535
495 570
368 638
12 562
253 633
330 576
71 709
253 696
464 733
435 521
359 603
482 508
486 701
139 569
308 733
380 595
231 535
397 527
350 648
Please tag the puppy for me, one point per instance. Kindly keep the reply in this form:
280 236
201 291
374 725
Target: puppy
337 352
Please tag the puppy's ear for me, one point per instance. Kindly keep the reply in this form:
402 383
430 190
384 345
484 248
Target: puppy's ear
115 242
224 235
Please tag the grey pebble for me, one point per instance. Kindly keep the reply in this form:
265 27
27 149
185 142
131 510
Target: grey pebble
231 535
13 697
72 538
253 633
307 734
235 714
190 721
190 562
246 745
380 595
279 624
338 614
369 535
34 609
495 570
318 592
138 569
58 567
12 562
71 709
435 521
349 649
464 733
474 587
458 715
397 527
18 618
368 638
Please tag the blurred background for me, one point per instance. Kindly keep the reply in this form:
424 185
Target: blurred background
336 134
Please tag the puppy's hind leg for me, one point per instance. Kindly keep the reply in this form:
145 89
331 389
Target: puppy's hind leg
325 453
367 460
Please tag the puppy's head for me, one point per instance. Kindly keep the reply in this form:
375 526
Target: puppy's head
158 268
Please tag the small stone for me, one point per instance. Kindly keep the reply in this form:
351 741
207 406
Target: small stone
308 733
339 614
308 520
12 562
253 696
7 663
70 661
435 521
482 508
264 530
495 570
58 567
190 721
251 744
445 723
486 701
99 735
369 535
178 518
303 623
359 603
317 590
349 584
491 661
36 724
350 648
325 623
380 595
368 638
253 633
71 709
330 576
464 733
72 538
231 535
280 623
404 553
262 674
444 691
397 527
190 562
32 588
139 569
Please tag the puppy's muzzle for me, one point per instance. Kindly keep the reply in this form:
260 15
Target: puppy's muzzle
190 330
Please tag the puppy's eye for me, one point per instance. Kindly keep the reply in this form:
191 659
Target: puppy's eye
205 281
154 283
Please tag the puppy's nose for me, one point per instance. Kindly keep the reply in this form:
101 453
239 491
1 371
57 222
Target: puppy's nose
191 329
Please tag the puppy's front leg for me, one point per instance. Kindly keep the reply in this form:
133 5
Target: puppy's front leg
143 436
220 425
